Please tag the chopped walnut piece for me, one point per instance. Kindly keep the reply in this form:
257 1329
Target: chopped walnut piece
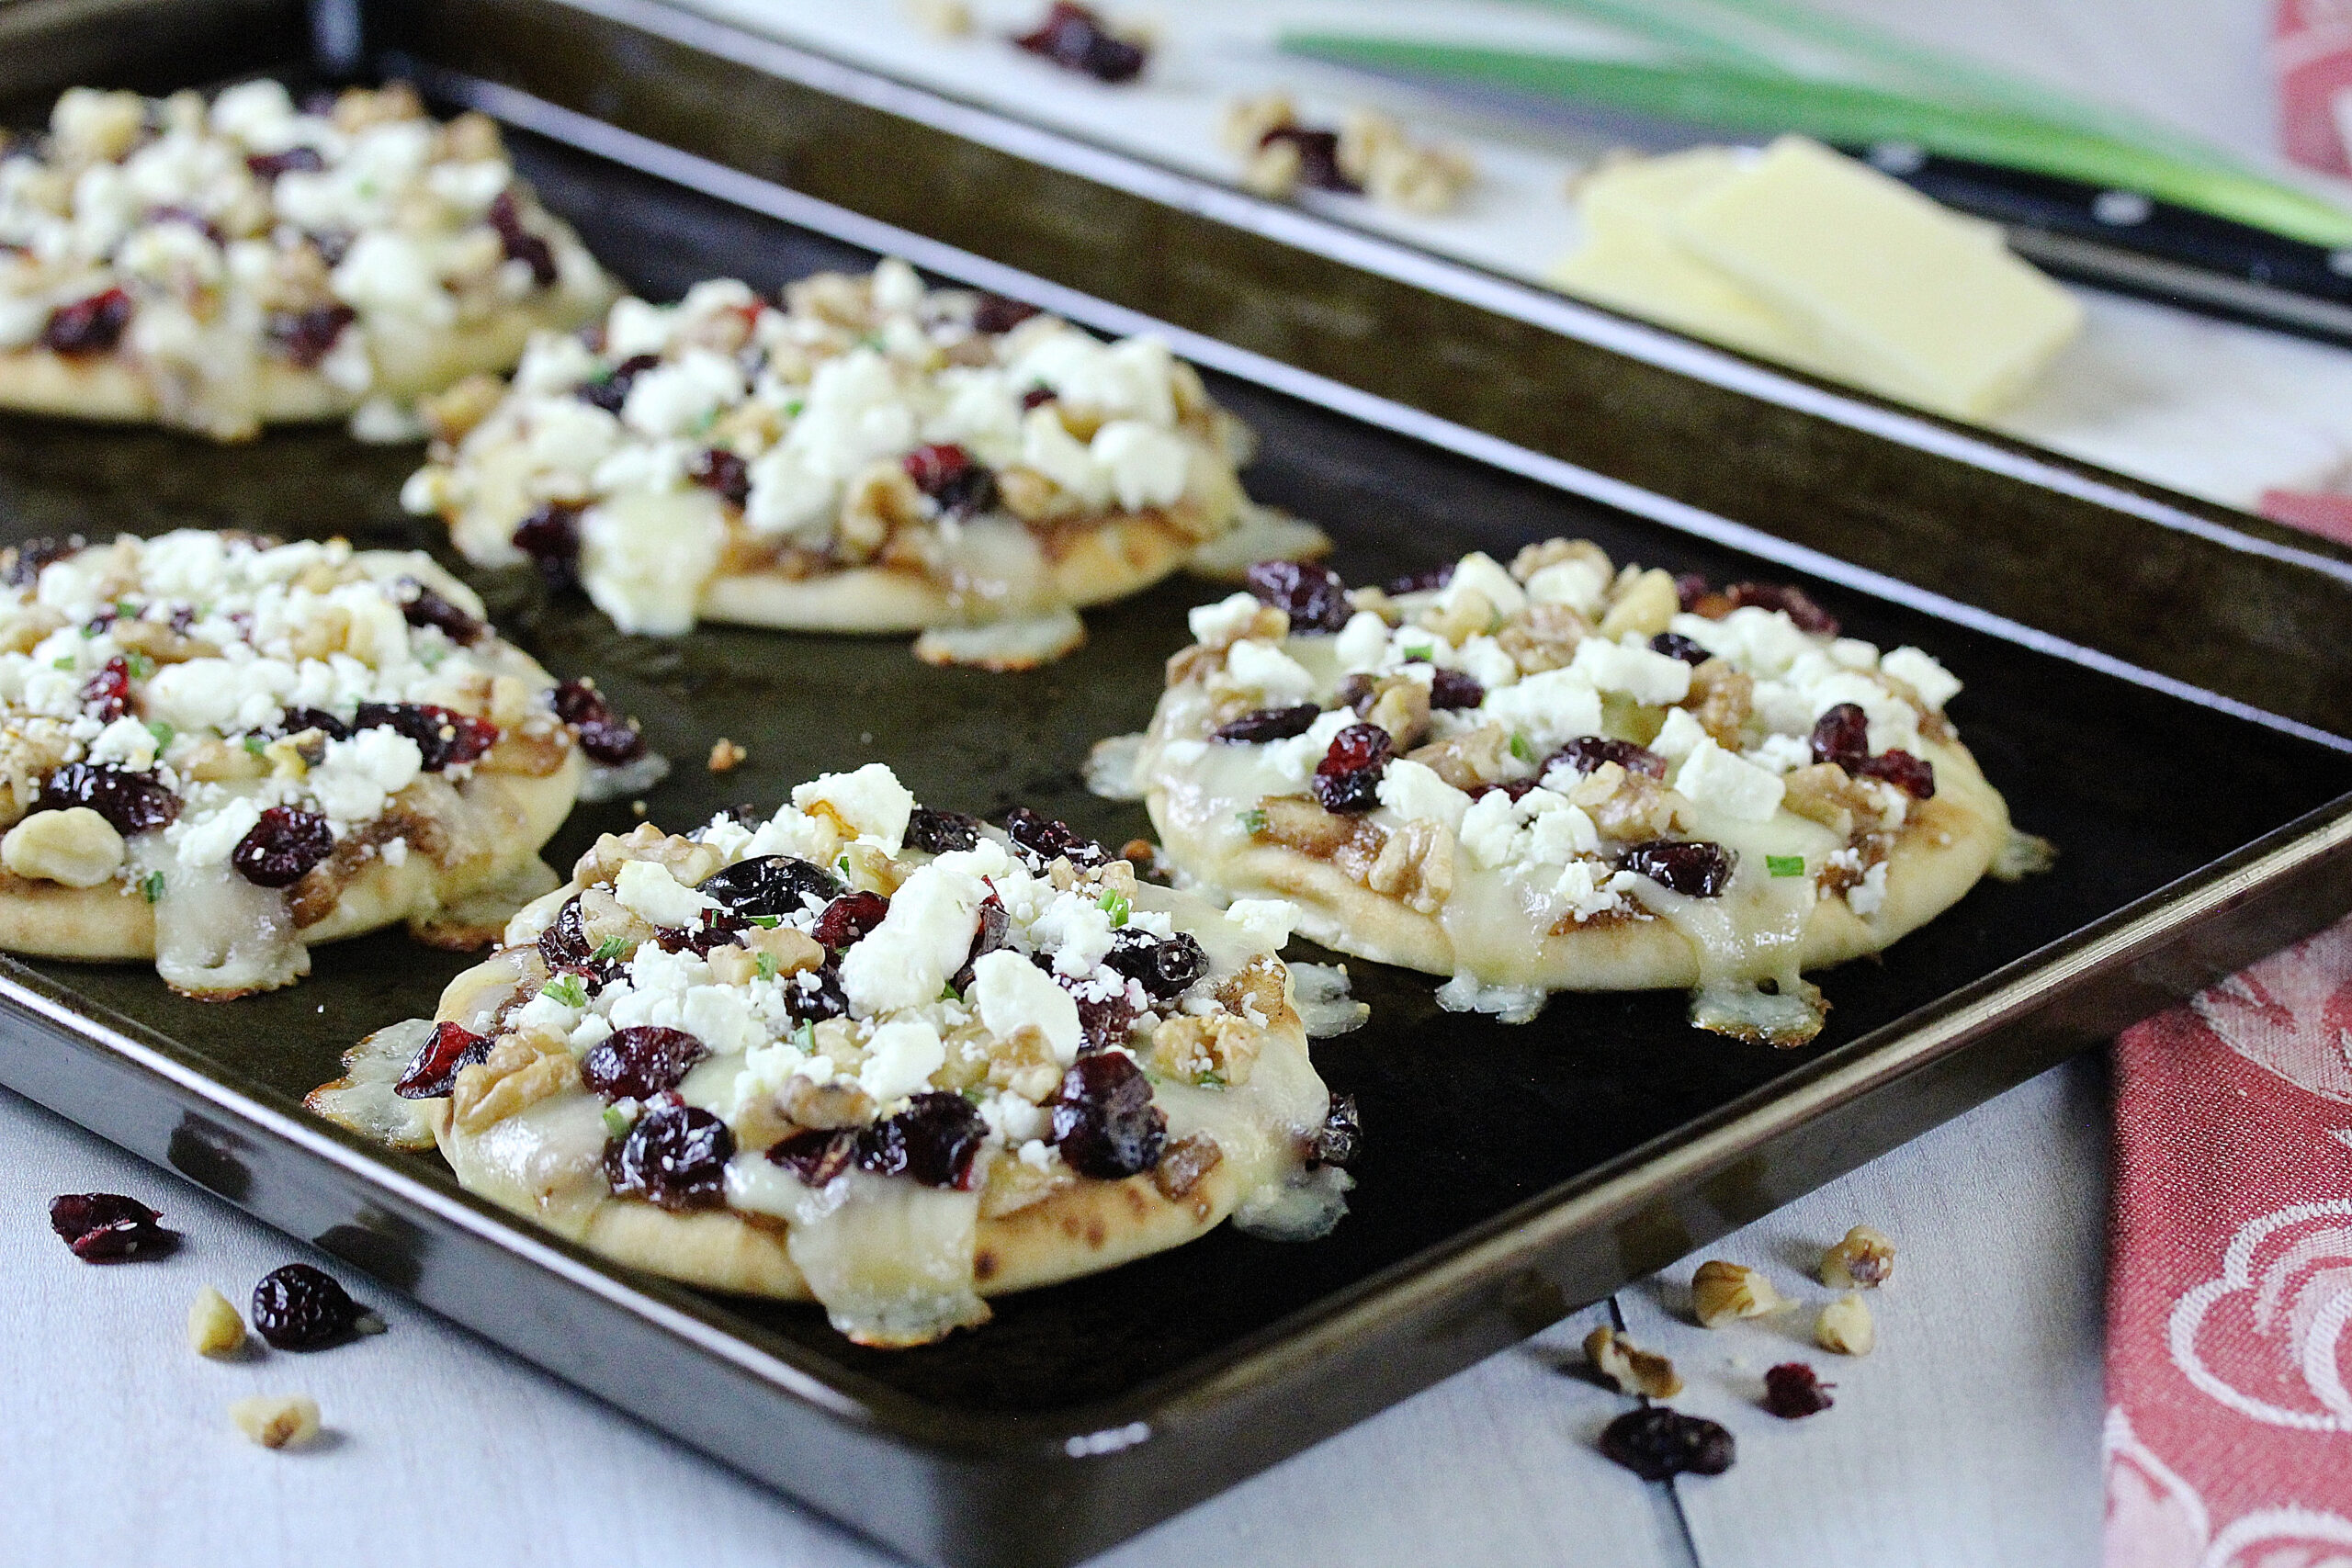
688 861
1826 794
1014 1185
825 1106
277 1420
1024 1064
1866 1258
1400 706
1416 865
1644 1374
1532 558
1464 613
1295 822
1183 1163
1476 757
1260 987
1419 178
1273 168
1217 1048
879 502
1542 637
1724 1292
213 1326
941 18
1248 119
793 951
450 416
520 1071
1721 698
1642 604
1845 1327
1628 807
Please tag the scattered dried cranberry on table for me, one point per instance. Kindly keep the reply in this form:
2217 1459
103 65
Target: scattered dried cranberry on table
1792 1390
1658 1444
302 1308
107 1227
1076 38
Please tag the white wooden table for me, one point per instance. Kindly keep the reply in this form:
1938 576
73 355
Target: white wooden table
1970 1436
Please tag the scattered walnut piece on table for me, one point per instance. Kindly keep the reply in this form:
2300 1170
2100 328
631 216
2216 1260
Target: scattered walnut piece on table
1641 1373
277 1420
725 756
213 1326
943 19
1865 1258
1845 1327
1724 1292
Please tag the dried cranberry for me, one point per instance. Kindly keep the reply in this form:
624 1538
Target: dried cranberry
1915 776
1792 1390
816 1156
610 390
186 216
1103 1021
279 850
1036 397
1514 789
850 920
1268 724
1674 645
446 737
934 1141
518 242
1312 596
1798 606
1455 689
105 696
20 564
1658 1444
88 326
995 314
815 994
1428 579
948 474
294 160
1318 157
641 1062
1341 1138
1044 839
550 537
1347 778
332 244
995 929
423 607
1690 588
433 1071
713 931
563 942
675 1157
1164 969
1587 754
1693 868
770 885
607 739
306 336
107 1227
1842 735
718 469
941 832
133 801
1103 1121
294 721
1073 37
302 1308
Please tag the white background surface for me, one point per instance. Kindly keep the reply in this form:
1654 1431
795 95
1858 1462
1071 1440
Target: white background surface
1970 1436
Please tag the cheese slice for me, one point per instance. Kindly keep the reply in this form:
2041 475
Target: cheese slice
1903 297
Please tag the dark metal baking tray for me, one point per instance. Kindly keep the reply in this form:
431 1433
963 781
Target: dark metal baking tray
1512 1174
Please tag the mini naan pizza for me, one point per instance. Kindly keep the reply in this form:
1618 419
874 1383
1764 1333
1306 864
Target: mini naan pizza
221 266
871 457
1564 776
881 1056
217 752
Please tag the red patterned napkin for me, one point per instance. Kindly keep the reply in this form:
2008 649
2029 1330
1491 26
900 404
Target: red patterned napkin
2311 52
2228 1425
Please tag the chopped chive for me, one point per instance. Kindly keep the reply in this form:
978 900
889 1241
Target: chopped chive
806 1035
793 407
1253 820
567 990
612 947
947 993
1521 748
1784 866
1420 653
256 744
616 1124
1210 1079
151 884
64 661
767 922
89 629
162 732
766 963
1117 905
140 666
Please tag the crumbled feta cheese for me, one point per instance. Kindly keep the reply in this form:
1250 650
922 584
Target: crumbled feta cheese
1078 931
1589 889
1478 572
356 777
1147 467
870 803
1680 732
126 743
680 398
209 840
1262 666
1868 897
1413 790
1265 921
1218 624
1485 661
906 960
899 1060
1853 653
1359 648
1918 670
1782 753
1719 780
646 888
1579 584
1010 993
1549 709
1646 676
